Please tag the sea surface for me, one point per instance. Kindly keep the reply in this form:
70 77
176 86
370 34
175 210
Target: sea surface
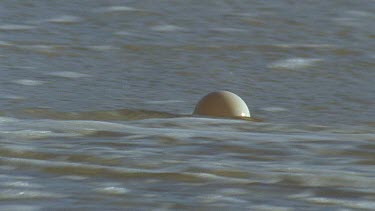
96 99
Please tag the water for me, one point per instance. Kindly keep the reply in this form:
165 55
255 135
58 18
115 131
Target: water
96 97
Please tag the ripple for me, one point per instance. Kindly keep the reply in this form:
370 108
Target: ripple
227 30
19 67
21 207
20 184
65 19
5 44
167 28
15 27
294 63
33 134
306 45
274 109
102 47
11 97
158 102
216 198
68 74
270 208
355 18
7 168
27 194
233 191
347 21
39 48
124 33
74 177
356 204
113 190
118 9
360 14
28 82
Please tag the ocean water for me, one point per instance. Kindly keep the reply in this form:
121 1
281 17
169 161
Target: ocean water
96 100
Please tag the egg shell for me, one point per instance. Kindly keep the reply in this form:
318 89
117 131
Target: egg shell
222 104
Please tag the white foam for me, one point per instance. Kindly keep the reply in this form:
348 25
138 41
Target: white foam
28 82
166 28
65 19
113 190
68 74
15 27
294 63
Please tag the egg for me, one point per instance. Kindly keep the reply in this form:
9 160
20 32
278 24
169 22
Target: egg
222 104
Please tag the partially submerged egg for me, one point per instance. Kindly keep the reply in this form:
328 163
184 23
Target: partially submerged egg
222 104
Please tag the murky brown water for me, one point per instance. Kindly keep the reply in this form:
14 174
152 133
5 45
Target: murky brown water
96 97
